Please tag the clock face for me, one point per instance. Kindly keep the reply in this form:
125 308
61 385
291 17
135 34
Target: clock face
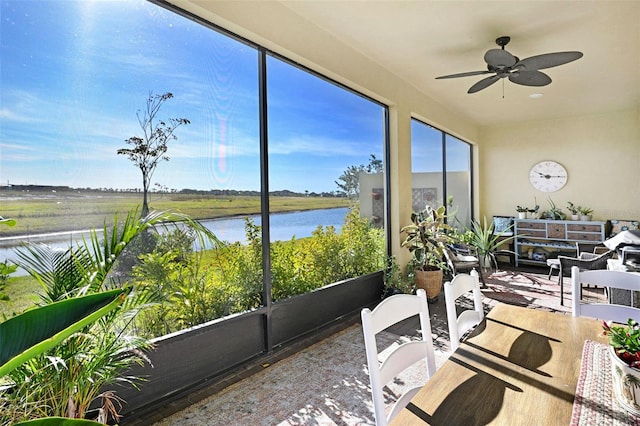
548 176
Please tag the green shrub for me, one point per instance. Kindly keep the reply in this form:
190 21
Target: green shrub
230 281
6 269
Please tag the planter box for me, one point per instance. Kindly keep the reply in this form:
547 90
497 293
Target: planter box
300 315
209 353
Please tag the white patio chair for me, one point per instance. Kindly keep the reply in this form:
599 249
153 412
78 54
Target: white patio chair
604 278
391 311
459 325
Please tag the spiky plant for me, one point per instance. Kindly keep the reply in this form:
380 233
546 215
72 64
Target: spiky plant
67 378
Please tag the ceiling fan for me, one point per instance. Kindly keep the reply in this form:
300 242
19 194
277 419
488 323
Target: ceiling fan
503 64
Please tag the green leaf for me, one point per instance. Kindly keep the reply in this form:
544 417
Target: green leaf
37 330
8 222
59 421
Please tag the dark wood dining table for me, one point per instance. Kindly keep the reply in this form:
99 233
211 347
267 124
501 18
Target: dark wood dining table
519 367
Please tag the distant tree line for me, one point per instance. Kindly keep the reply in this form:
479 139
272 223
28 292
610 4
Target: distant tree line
165 190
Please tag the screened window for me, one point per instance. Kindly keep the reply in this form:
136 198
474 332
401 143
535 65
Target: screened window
441 170
427 166
458 181
75 76
323 142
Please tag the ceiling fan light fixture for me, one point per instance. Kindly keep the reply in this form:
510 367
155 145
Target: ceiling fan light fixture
525 72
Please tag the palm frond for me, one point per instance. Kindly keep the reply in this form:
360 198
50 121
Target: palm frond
53 268
37 330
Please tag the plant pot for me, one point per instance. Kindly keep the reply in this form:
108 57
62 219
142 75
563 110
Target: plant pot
431 282
522 215
626 383
585 218
485 262
575 217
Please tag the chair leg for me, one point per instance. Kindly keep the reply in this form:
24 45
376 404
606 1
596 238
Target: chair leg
560 278
561 283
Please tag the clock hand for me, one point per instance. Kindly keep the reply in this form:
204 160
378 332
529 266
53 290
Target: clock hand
543 175
547 176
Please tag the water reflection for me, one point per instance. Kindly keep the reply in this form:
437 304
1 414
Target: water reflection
284 226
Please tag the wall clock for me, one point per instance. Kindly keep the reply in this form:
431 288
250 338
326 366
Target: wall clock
548 176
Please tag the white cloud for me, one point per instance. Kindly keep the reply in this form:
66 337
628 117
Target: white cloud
313 145
6 114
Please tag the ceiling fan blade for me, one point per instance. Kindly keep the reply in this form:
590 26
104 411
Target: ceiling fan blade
529 78
499 58
548 60
464 74
483 84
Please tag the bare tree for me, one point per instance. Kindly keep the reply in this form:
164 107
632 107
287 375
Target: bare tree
149 149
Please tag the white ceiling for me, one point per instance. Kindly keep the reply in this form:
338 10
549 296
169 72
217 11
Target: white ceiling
420 40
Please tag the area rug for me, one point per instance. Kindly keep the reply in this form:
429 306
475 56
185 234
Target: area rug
527 289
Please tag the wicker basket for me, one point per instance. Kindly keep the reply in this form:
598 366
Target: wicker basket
431 282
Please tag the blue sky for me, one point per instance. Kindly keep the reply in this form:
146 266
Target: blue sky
74 73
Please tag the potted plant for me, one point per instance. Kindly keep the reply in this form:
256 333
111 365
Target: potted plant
486 242
535 212
426 238
574 210
522 212
585 213
555 212
624 351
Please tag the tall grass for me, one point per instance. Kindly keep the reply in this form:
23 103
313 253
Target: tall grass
53 212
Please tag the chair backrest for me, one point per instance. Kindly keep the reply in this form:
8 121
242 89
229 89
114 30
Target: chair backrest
604 278
459 325
596 261
390 311
451 259
590 250
457 260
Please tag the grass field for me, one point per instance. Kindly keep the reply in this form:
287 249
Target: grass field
44 212
22 292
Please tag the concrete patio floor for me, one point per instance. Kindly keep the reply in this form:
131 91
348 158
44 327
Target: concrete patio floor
327 383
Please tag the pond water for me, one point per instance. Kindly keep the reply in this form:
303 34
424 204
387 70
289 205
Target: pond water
284 226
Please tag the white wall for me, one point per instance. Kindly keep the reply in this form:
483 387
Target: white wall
601 154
